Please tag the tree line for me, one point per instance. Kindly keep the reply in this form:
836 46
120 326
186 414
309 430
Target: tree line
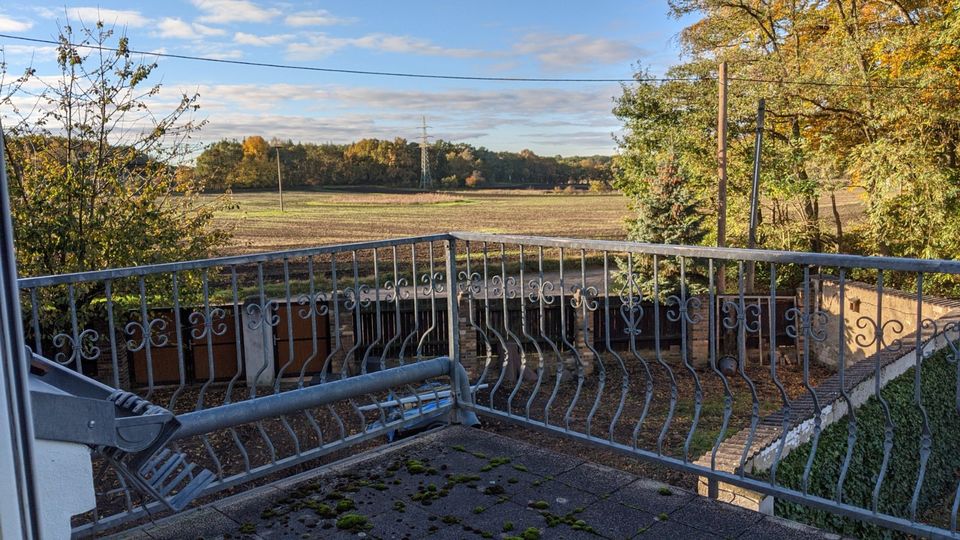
251 163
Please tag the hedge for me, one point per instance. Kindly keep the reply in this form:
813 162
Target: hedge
939 387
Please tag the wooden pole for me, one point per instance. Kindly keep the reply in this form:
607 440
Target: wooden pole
722 171
279 181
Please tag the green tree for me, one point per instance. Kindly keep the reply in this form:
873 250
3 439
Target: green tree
218 162
93 170
666 211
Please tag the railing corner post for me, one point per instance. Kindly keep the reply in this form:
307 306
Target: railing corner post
453 327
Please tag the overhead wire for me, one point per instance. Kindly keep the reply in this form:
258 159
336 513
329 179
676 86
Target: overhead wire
441 76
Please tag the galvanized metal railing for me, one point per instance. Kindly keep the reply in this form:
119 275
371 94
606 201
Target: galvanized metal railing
636 348
263 358
751 372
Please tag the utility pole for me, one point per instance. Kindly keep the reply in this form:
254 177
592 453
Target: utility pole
426 182
277 144
722 171
755 191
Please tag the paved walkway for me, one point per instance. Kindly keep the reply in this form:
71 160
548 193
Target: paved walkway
467 483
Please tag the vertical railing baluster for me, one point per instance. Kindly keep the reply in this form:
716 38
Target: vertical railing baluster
337 342
888 427
453 323
111 328
353 302
147 334
589 306
291 353
624 375
715 323
377 338
206 332
685 318
398 284
634 315
841 372
265 328
806 321
568 415
545 298
471 288
786 420
526 334
178 329
35 321
926 435
313 308
743 327
238 343
659 354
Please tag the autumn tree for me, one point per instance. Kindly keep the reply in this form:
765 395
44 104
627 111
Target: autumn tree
860 95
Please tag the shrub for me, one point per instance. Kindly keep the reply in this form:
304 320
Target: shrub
474 180
600 186
938 388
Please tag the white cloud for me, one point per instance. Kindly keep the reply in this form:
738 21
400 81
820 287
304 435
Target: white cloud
581 107
407 44
244 38
320 17
27 51
8 24
90 15
170 27
560 53
226 11
320 45
316 46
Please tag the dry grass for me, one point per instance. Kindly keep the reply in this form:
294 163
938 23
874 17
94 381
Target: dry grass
318 218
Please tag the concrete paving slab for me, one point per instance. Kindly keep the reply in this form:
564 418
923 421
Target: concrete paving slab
463 483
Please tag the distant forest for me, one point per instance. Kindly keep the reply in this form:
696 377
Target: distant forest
251 163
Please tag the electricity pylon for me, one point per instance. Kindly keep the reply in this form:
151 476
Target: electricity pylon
426 181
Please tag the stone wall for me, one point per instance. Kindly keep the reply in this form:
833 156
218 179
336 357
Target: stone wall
860 313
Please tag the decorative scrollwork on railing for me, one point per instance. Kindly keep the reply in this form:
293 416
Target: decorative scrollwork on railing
952 328
468 285
878 335
932 327
812 324
312 305
685 309
432 283
352 296
732 314
631 308
584 297
751 318
153 331
82 348
394 288
260 314
501 289
204 325
541 291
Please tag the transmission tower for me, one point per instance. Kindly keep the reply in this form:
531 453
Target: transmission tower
426 181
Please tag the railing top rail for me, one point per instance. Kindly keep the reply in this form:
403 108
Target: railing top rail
733 254
118 273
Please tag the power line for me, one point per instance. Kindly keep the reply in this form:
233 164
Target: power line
337 70
295 67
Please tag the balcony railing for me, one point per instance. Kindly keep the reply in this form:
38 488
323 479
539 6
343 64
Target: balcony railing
665 353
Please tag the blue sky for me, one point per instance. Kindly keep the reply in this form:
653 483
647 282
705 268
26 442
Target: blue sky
601 39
